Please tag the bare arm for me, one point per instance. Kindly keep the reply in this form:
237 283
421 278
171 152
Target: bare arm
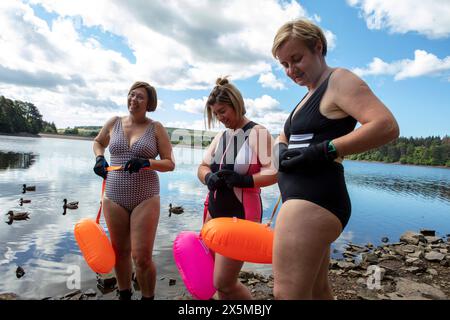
203 168
101 141
167 159
262 142
353 96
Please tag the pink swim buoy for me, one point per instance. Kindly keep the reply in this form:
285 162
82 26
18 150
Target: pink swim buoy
195 264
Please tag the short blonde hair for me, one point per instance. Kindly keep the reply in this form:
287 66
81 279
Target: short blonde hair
151 92
303 30
224 92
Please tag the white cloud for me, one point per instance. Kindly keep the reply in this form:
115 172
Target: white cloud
268 80
424 64
430 18
196 106
74 79
264 110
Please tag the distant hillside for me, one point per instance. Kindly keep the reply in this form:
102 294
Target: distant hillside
188 137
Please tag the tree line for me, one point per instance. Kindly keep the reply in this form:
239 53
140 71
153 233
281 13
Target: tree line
429 151
22 117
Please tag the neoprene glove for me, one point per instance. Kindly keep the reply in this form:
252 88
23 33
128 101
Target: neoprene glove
213 181
136 164
100 166
314 154
234 179
279 152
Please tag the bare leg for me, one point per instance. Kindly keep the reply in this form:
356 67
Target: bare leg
226 273
144 222
118 221
303 234
322 289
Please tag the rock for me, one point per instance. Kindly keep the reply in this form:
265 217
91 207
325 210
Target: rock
367 294
71 294
90 293
385 239
8 296
413 269
370 258
428 233
354 273
433 272
409 261
416 254
412 237
433 240
345 265
409 248
414 290
434 256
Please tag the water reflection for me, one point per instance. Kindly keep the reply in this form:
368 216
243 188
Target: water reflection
13 160
427 189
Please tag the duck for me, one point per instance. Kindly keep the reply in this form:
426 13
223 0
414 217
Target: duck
22 201
28 188
17 216
70 205
175 210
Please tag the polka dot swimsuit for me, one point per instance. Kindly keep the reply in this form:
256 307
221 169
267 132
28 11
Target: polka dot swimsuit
125 189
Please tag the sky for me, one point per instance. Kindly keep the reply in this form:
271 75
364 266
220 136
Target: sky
76 60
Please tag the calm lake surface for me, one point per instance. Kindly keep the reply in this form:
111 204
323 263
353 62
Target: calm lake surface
386 201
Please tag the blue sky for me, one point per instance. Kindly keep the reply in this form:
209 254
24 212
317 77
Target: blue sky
75 60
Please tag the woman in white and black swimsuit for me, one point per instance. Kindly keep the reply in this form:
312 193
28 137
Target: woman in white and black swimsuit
131 204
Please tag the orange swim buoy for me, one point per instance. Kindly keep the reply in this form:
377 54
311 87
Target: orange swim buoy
239 239
94 244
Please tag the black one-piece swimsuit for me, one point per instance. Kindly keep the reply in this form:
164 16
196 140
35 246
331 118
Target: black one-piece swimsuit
322 184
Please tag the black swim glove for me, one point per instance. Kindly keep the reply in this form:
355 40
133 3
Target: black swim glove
213 181
279 152
100 166
136 164
234 179
313 155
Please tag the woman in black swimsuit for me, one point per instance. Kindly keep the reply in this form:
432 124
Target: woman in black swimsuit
309 151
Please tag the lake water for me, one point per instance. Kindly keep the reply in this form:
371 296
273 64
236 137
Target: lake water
386 201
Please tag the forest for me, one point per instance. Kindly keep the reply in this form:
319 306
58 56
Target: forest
17 117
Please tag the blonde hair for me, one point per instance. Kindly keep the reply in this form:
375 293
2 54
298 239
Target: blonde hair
303 30
151 92
224 92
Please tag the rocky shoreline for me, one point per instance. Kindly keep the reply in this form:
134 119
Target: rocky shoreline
415 268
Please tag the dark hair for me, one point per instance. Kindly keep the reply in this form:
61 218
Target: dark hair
224 92
151 92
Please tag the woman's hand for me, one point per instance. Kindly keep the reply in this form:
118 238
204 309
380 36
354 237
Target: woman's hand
136 164
213 181
100 166
314 154
234 179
